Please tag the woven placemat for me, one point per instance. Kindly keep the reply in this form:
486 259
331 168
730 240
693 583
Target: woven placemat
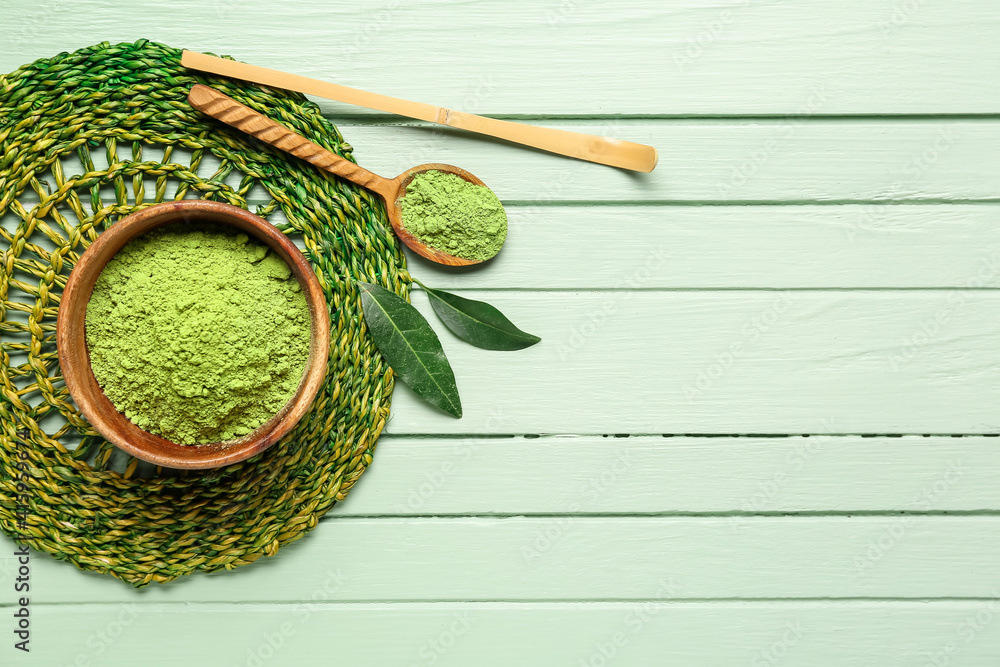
87 138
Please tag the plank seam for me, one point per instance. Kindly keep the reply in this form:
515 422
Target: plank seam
532 436
516 602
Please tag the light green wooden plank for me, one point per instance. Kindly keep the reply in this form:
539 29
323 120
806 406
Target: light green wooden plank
728 362
724 160
739 362
588 558
813 634
692 247
703 161
682 247
557 57
553 475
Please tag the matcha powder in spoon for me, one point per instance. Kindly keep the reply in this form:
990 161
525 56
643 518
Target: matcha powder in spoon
198 333
451 214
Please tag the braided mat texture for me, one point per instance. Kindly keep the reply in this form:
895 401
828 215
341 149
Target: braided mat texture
87 138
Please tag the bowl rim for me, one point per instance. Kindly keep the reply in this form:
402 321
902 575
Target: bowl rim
74 356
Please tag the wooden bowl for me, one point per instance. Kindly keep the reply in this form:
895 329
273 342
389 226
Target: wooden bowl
74 357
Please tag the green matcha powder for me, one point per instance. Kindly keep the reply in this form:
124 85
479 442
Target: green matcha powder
197 333
447 212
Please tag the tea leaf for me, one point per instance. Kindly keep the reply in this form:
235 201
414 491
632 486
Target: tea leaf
478 322
410 347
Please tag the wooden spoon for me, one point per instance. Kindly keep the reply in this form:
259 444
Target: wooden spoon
229 111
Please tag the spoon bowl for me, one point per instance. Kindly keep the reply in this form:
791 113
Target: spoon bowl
243 118
395 213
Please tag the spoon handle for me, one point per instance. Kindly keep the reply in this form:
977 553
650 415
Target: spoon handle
602 150
243 118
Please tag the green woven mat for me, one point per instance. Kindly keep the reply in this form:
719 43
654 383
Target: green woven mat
87 138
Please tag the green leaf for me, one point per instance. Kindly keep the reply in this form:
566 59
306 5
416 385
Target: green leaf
478 322
410 347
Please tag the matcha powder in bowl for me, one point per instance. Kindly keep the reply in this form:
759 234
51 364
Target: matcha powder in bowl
197 333
446 212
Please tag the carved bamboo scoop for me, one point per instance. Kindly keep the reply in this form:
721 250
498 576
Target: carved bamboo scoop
229 111
602 150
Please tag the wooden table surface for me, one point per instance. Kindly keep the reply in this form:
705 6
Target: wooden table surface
759 428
